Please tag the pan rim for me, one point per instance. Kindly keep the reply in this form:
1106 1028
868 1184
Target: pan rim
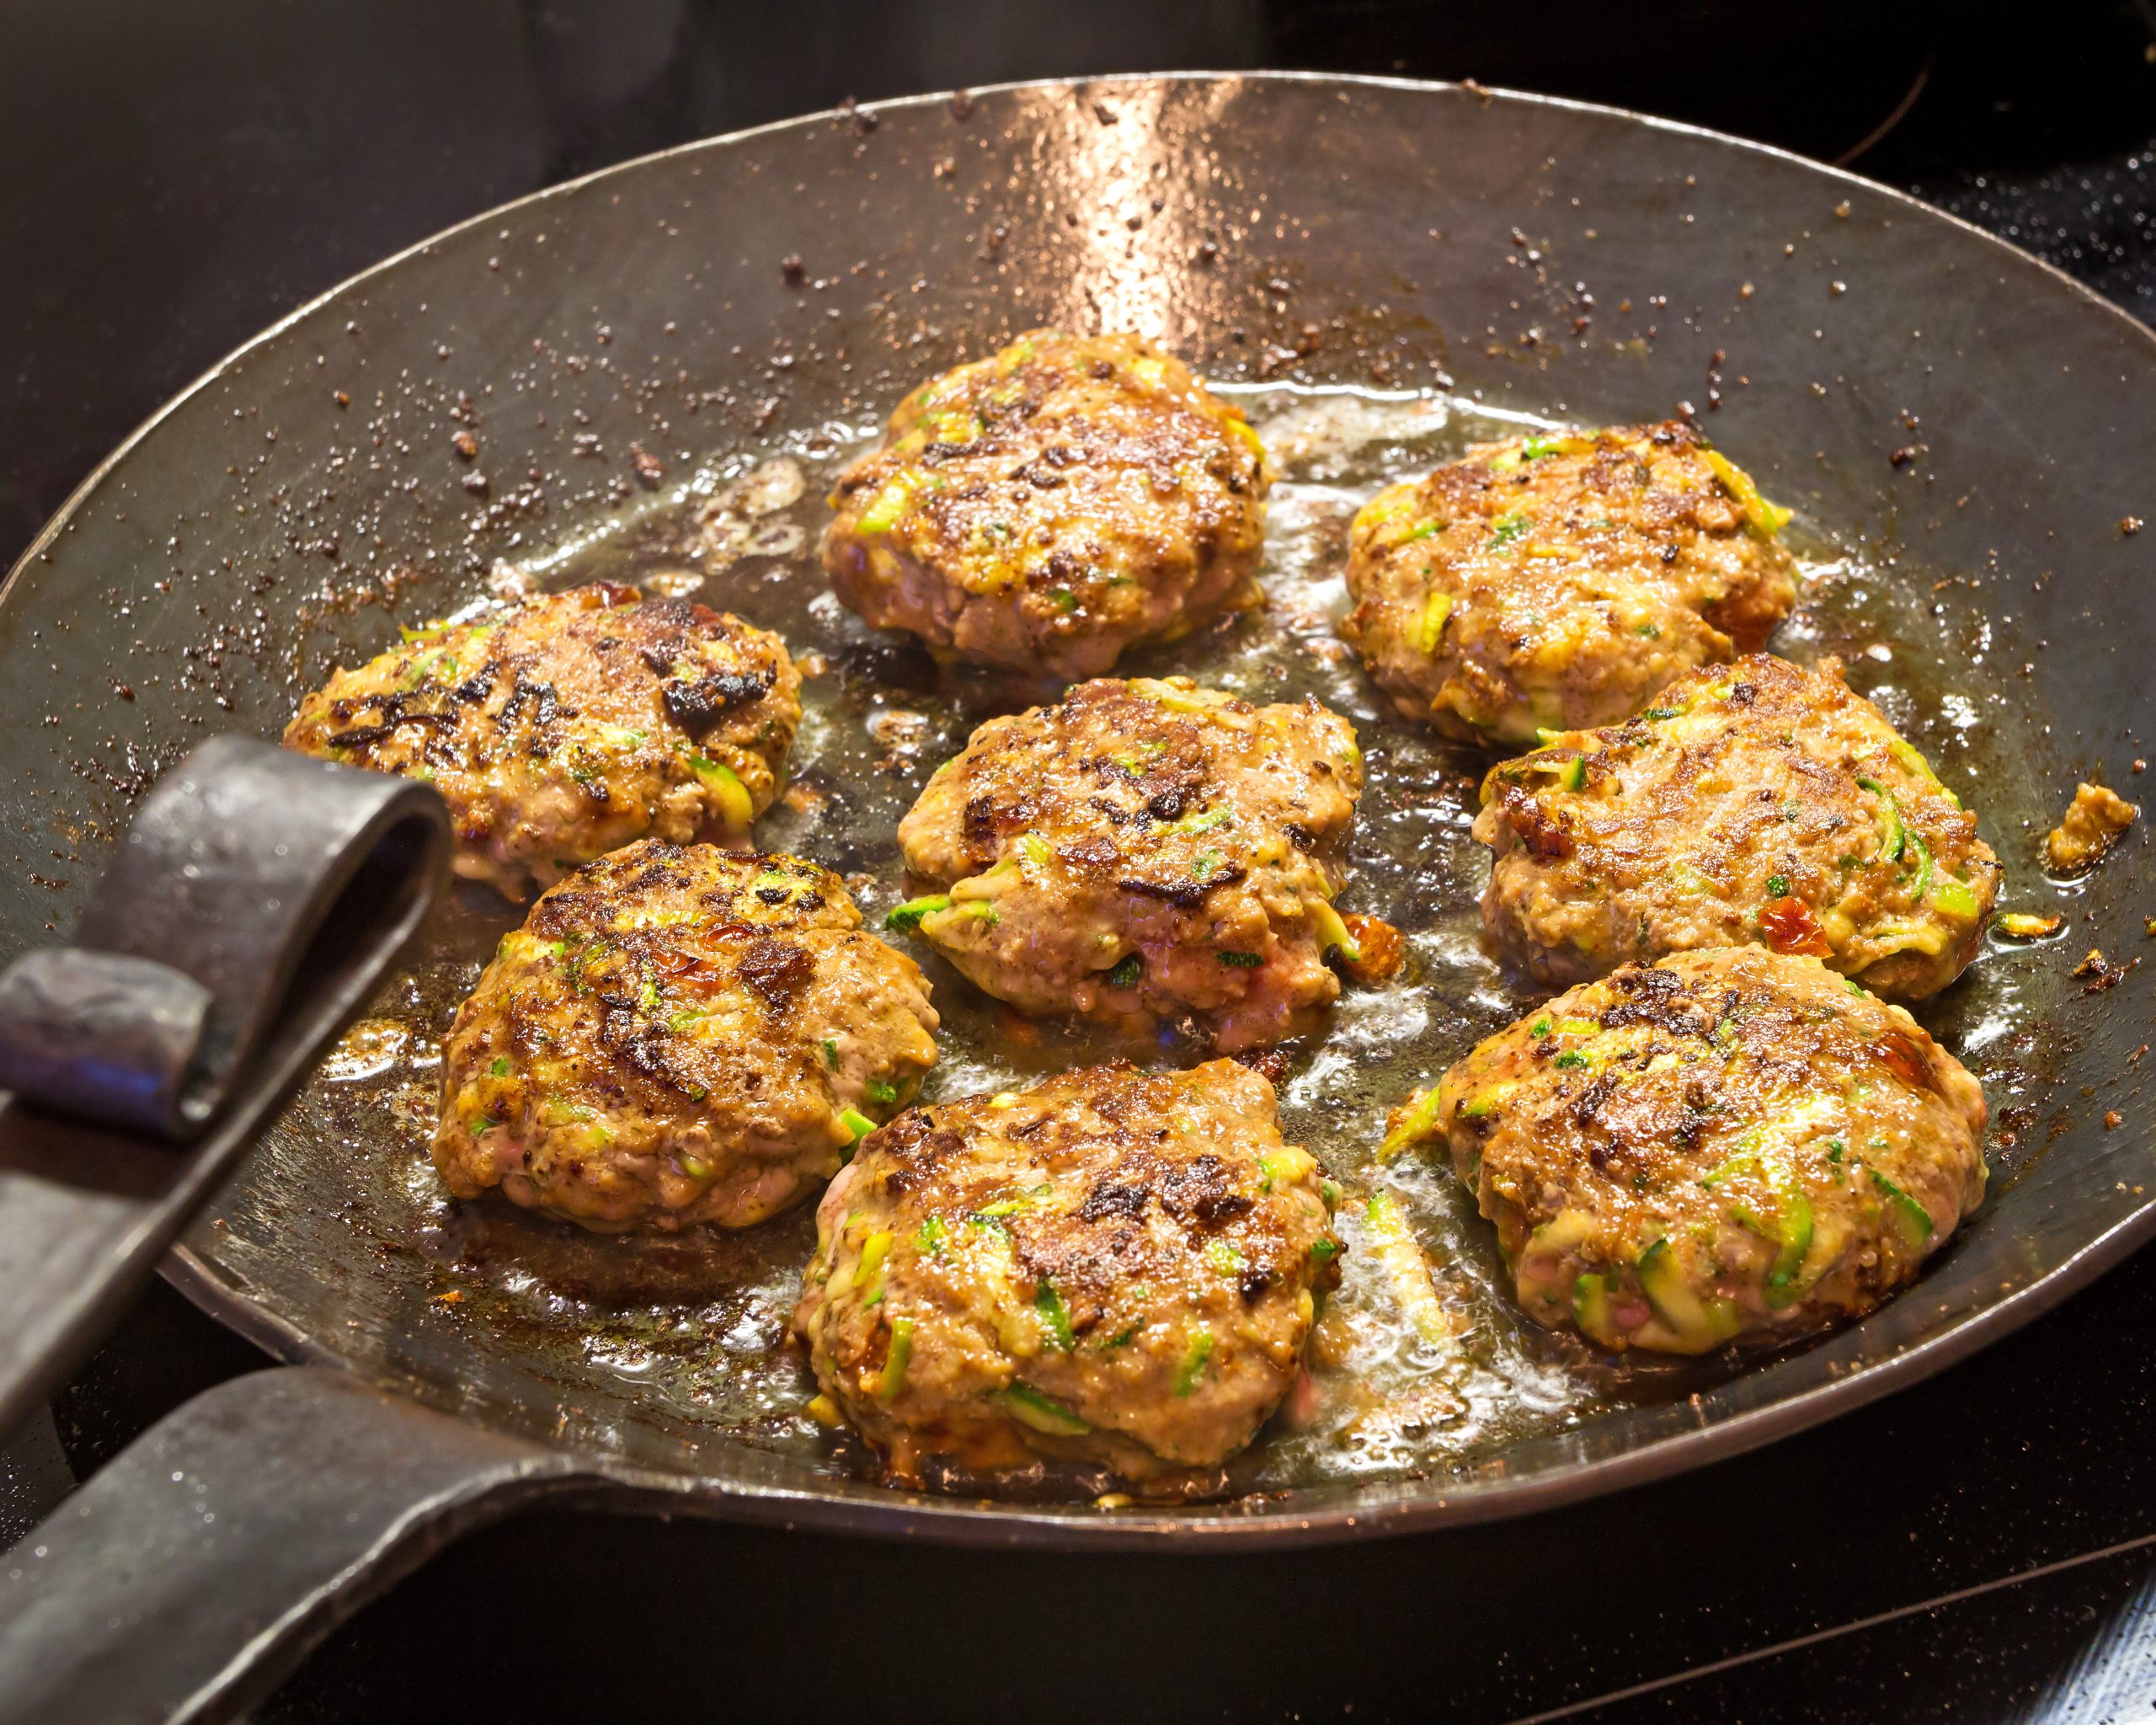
1203 1527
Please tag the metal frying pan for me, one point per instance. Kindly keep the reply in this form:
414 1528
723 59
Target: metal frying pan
1963 429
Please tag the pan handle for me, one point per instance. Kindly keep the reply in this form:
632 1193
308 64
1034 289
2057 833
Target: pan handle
196 1569
259 898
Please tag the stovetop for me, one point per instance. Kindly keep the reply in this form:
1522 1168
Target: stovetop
1980 1547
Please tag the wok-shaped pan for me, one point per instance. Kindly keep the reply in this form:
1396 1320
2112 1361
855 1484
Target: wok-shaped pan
1969 426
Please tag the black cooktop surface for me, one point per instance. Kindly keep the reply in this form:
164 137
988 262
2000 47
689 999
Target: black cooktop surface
1981 1547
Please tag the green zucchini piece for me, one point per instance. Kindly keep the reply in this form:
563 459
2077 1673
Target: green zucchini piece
1195 1353
1417 1124
905 918
1954 896
1697 1325
1056 1317
1896 839
856 1123
896 1358
1921 889
1788 1229
1333 932
1764 519
1430 627
1911 1218
734 799
887 507
1591 1308
1029 1407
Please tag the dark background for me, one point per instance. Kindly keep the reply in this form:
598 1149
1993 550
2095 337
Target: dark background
176 174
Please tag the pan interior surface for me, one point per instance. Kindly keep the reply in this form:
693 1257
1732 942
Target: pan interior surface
1381 274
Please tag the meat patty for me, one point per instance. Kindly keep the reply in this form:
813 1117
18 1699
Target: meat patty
678 1036
1757 801
1142 850
1557 581
1114 1267
1044 509
1732 1145
567 727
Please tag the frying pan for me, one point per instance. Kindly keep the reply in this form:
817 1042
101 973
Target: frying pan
1972 426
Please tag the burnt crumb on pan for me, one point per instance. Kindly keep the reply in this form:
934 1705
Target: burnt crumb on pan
2095 821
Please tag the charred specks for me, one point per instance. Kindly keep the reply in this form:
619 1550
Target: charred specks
1186 894
777 970
545 705
1109 1197
1588 1104
1093 852
1200 1192
698 706
650 469
1268 1063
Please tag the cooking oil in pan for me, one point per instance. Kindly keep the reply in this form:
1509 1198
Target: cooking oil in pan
664 1347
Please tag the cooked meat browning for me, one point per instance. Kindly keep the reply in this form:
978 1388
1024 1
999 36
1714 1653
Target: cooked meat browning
569 726
1557 581
679 1036
1754 802
1728 1146
1048 507
1114 1267
2095 820
1143 849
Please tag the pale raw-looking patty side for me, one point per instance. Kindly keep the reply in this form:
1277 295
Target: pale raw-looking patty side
568 726
1556 581
678 1036
1046 508
1141 851
1113 1267
1754 802
1729 1146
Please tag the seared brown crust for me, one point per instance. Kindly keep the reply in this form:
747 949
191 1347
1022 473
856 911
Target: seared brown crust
1558 581
1731 1145
677 1036
1046 508
1112 1266
1755 802
571 725
1143 849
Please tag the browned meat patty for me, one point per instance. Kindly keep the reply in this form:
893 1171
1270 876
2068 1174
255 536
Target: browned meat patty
1141 851
1556 581
571 725
1046 508
1728 1146
1113 1267
1752 802
679 1036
